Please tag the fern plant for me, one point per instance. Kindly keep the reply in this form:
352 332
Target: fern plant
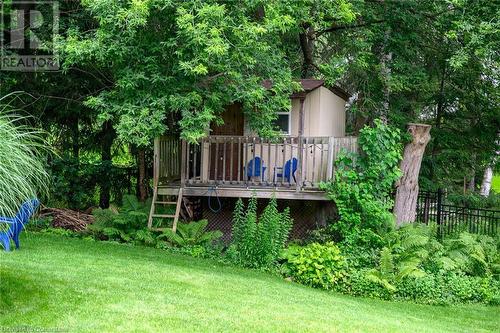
258 242
191 234
414 251
124 224
408 251
389 273
476 255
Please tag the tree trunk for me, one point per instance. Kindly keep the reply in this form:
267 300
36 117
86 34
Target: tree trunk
486 184
107 137
141 180
407 187
306 39
75 138
471 186
385 73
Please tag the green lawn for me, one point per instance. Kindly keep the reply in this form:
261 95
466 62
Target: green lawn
495 184
75 285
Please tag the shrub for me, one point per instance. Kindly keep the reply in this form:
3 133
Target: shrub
258 242
357 283
316 265
435 289
359 249
414 251
75 183
474 200
39 224
415 265
448 288
126 224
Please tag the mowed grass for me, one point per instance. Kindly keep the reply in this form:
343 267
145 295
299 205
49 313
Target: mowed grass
495 183
75 285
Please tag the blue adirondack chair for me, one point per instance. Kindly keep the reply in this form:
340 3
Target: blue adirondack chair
16 224
255 168
288 170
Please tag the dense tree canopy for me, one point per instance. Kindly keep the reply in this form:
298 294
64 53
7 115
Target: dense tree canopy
144 67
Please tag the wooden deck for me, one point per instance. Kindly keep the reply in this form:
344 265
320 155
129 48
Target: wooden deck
238 166
239 192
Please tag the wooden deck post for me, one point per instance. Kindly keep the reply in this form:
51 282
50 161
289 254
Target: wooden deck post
300 153
156 161
184 157
330 161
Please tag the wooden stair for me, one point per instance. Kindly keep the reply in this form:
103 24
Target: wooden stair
152 213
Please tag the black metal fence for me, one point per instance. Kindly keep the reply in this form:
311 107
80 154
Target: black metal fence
432 207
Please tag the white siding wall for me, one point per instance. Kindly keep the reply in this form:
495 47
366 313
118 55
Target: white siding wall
324 114
332 116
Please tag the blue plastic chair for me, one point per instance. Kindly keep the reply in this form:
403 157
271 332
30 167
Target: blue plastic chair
288 170
17 223
255 168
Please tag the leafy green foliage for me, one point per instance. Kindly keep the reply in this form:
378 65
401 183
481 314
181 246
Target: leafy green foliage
362 186
257 241
495 184
201 56
414 252
474 200
470 254
75 184
148 65
387 272
441 288
403 256
126 224
414 264
316 265
191 234
476 255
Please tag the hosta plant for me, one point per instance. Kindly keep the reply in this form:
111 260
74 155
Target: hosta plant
316 265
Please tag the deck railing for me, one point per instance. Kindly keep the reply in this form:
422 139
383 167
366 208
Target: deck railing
247 161
167 159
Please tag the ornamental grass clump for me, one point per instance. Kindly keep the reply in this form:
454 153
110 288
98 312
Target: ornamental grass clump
22 168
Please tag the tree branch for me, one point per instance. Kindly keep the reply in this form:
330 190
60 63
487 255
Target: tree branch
351 26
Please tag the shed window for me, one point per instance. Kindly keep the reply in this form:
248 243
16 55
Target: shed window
283 122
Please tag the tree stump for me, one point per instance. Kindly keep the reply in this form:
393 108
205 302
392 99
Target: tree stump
405 203
486 184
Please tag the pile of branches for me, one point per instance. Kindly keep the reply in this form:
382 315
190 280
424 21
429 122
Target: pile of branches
67 218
